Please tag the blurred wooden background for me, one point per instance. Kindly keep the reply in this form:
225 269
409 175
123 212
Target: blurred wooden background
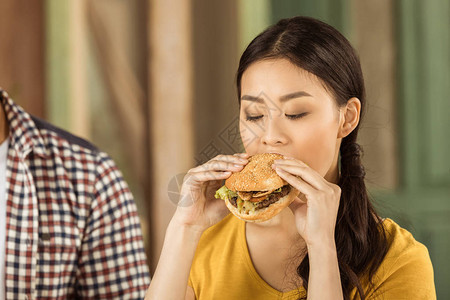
151 82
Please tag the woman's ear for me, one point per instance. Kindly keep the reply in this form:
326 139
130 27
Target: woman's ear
349 117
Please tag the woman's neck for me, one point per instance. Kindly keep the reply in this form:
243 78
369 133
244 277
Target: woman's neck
333 175
282 224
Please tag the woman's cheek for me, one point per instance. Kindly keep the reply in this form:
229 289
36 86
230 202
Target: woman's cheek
319 147
250 134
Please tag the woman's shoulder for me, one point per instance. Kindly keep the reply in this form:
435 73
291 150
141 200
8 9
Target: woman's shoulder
218 246
402 242
228 228
406 268
218 241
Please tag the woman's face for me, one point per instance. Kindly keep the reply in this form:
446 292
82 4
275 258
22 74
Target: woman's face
285 109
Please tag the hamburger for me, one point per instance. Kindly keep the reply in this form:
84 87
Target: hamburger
257 192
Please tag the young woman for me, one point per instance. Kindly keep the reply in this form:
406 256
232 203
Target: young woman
301 94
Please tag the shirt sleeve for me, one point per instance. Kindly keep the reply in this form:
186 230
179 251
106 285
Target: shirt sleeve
112 262
410 277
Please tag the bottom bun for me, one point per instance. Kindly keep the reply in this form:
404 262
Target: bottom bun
266 213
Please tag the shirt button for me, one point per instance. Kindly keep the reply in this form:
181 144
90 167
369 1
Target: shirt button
28 241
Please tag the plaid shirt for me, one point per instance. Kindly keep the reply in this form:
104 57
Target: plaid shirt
72 228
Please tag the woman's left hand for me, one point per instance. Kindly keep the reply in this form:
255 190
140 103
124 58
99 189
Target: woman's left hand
316 207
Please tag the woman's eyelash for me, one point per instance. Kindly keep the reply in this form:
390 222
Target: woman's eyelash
291 117
295 117
253 118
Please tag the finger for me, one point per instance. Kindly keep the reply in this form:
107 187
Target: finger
224 166
230 158
237 159
296 182
306 173
290 160
221 165
242 154
200 177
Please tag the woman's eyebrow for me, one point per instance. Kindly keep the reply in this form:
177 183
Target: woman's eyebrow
282 98
294 95
252 98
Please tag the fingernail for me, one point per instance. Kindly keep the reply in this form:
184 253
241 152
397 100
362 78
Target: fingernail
237 165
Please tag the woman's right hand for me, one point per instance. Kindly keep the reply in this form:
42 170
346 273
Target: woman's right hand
197 207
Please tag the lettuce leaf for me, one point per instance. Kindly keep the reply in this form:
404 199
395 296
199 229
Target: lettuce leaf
225 193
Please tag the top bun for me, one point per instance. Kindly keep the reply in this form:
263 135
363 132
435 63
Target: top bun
257 175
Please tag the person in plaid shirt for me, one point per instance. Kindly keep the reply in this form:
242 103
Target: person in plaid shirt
71 229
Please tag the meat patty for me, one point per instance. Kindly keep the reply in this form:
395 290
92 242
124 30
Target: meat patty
272 198
233 201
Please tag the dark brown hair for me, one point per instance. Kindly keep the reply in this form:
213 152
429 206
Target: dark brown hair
320 49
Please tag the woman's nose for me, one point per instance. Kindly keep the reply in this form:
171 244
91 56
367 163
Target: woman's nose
273 134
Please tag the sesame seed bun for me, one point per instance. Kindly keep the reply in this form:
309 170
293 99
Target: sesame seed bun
258 176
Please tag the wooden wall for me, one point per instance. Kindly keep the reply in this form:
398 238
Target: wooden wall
22 67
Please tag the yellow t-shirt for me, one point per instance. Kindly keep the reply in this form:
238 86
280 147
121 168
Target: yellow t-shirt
405 273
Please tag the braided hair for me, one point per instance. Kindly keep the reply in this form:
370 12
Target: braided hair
320 49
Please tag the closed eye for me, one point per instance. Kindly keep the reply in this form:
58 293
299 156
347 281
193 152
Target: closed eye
295 117
290 117
253 118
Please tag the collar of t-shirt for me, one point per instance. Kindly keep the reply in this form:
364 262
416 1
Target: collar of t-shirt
3 157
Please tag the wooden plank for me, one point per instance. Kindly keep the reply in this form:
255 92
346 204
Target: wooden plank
22 53
117 85
436 91
409 93
66 61
334 12
170 109
424 68
413 201
215 59
254 17
57 62
79 117
379 134
126 96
